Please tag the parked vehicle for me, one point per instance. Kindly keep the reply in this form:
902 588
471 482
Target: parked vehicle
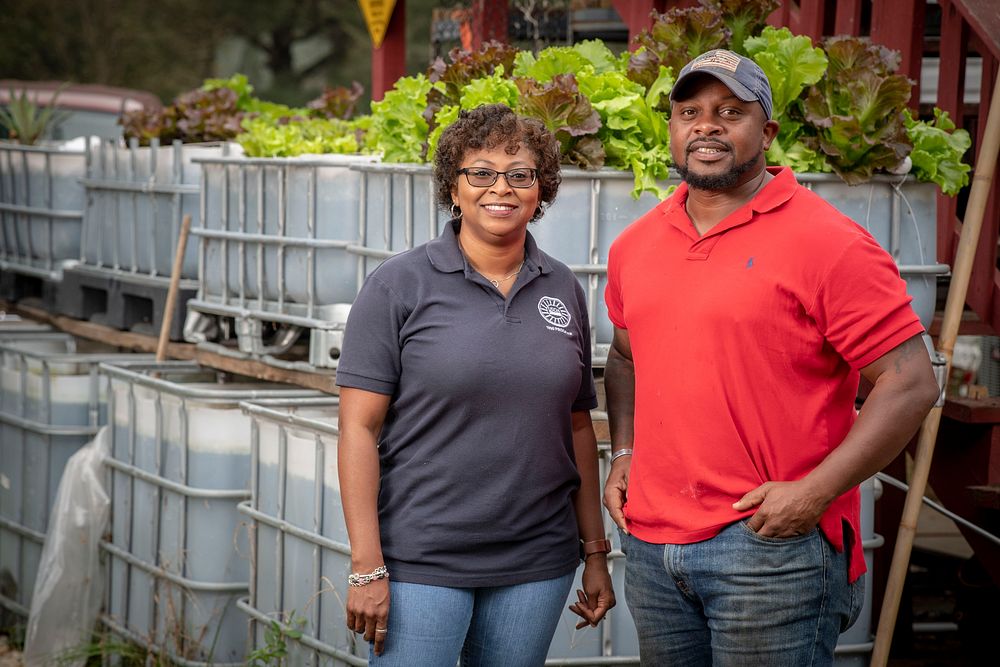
89 109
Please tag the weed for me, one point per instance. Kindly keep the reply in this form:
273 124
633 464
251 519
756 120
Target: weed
274 652
13 629
105 646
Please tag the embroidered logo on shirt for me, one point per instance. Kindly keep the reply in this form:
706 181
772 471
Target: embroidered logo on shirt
554 312
749 263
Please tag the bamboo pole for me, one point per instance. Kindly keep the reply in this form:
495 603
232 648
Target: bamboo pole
175 279
982 180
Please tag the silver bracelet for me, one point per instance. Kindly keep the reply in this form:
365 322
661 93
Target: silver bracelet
620 453
355 579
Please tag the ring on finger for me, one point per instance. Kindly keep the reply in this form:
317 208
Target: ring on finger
381 630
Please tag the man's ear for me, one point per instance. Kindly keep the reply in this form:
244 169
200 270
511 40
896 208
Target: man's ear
771 128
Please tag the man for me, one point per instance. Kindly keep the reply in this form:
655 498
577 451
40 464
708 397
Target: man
745 308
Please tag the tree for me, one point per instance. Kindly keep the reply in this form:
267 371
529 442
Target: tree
160 45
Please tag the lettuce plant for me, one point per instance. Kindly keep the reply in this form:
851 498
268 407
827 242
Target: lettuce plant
208 115
676 37
195 116
854 114
568 114
450 79
635 134
791 64
398 127
491 89
337 102
938 148
239 84
262 137
679 35
742 18
562 59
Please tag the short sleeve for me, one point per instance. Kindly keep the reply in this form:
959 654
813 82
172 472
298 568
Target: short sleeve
370 358
861 306
612 291
586 398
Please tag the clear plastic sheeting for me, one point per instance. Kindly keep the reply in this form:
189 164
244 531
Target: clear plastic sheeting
69 588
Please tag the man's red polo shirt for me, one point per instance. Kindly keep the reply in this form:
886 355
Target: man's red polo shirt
747 343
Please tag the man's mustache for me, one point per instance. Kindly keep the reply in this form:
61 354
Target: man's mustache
701 143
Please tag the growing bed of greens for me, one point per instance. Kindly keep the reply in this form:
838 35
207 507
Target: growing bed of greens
841 105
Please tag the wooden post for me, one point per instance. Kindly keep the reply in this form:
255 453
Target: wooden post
175 279
982 287
899 24
848 19
951 98
636 14
982 183
389 60
489 22
808 19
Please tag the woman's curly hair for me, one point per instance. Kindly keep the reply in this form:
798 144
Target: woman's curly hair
487 127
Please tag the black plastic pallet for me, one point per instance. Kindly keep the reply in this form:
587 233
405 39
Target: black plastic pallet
120 303
28 290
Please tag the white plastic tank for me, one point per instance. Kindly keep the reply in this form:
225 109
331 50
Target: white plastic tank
301 549
52 402
301 554
179 552
593 207
136 199
901 214
305 199
41 205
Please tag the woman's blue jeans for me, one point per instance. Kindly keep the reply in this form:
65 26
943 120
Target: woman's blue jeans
503 626
739 599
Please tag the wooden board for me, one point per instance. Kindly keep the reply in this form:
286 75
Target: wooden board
186 351
973 410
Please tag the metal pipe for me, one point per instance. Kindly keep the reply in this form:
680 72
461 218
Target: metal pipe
286 528
143 188
282 221
177 487
892 481
224 223
49 222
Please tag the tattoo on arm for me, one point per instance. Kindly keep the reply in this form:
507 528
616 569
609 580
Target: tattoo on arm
908 351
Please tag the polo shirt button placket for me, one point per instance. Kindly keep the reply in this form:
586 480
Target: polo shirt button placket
519 285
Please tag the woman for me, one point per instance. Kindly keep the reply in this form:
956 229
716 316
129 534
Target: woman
468 462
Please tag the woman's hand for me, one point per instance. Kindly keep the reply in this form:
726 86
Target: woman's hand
597 596
368 611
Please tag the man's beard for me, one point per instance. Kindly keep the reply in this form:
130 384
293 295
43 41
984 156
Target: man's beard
722 181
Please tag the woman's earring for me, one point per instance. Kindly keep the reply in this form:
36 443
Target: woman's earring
539 212
456 211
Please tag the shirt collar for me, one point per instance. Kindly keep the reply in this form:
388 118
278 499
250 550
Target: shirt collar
778 191
445 255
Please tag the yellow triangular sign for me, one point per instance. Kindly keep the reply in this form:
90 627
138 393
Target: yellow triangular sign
377 14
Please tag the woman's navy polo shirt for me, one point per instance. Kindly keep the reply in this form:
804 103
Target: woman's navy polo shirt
477 465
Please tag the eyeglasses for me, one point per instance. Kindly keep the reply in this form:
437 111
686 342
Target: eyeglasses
481 177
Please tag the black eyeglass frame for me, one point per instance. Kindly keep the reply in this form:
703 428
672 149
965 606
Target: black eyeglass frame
498 174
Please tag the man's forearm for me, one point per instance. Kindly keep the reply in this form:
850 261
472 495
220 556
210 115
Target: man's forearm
619 390
904 391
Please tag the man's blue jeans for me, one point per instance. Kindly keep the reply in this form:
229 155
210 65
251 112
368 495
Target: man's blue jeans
739 600
503 626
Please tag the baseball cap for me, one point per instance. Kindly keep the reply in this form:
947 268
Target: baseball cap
741 75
